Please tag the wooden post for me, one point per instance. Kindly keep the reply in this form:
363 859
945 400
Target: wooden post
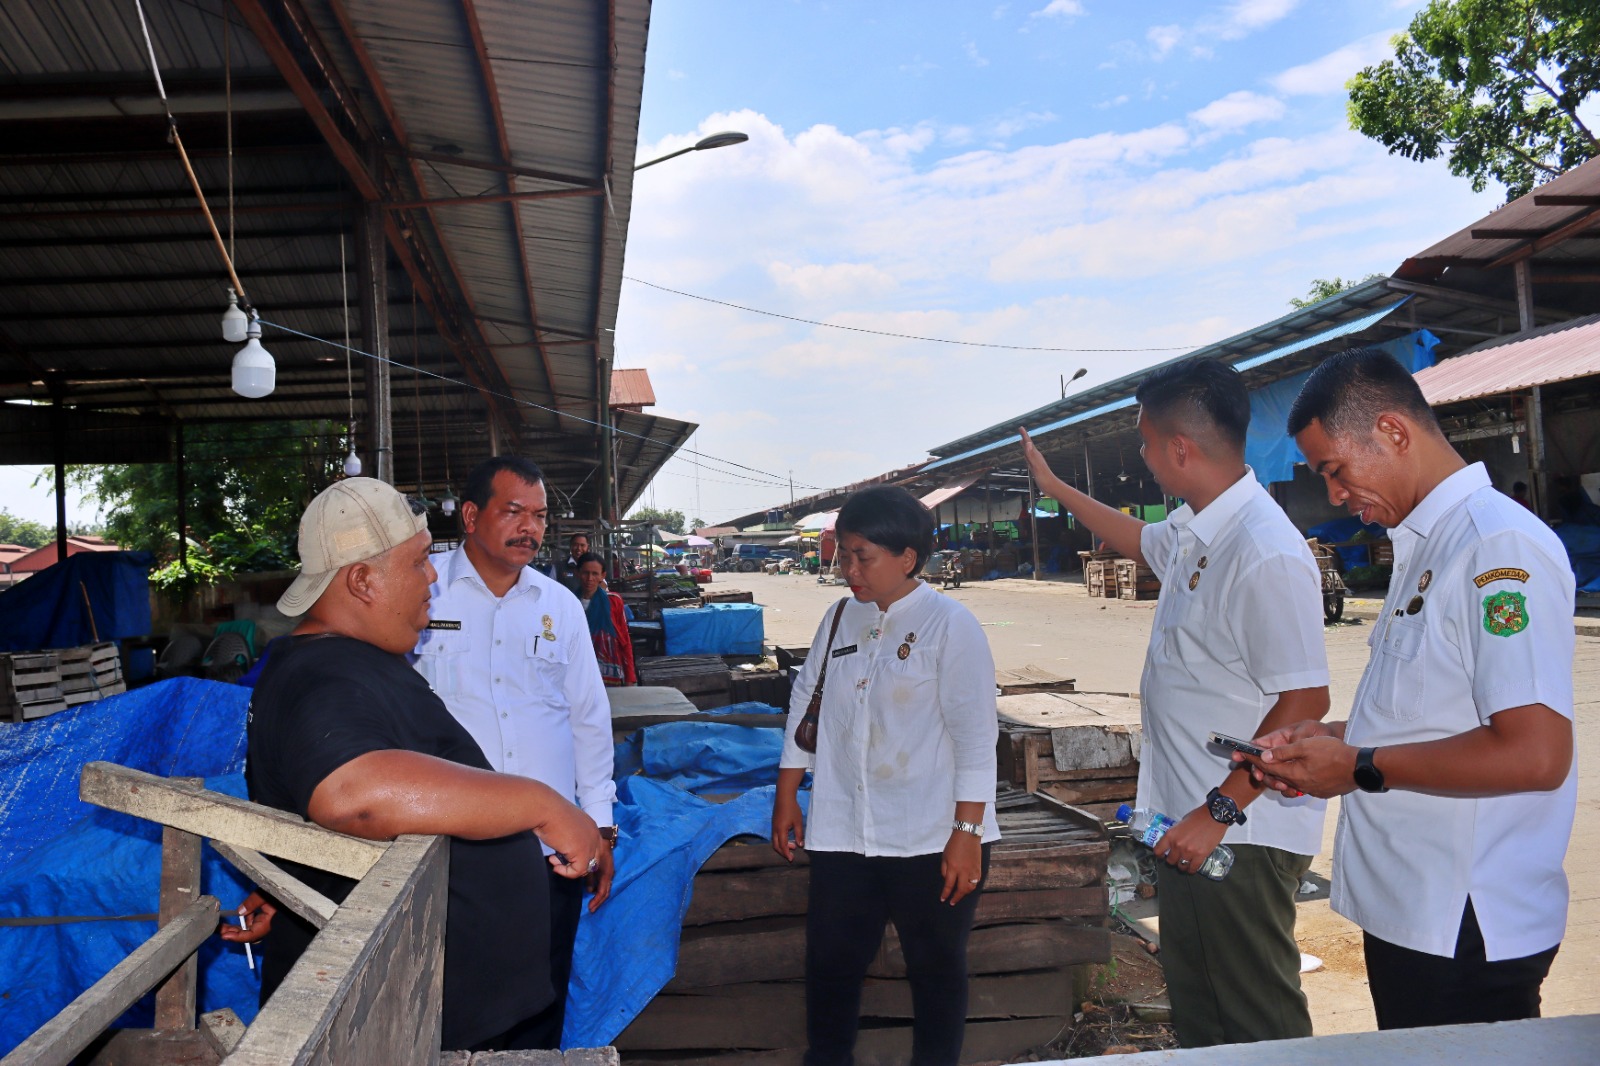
1524 281
1033 525
180 887
58 432
1536 453
183 500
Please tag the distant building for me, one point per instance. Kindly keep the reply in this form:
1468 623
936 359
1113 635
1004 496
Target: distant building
36 559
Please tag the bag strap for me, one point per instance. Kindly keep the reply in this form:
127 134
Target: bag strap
822 676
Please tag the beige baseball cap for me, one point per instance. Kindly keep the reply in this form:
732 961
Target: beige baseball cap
350 521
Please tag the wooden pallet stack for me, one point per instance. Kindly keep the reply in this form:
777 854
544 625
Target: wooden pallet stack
91 672
739 993
1100 573
702 678
30 686
1081 748
1135 581
726 596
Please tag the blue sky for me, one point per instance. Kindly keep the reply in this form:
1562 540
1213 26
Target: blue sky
1068 174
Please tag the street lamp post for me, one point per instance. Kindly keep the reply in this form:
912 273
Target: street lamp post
716 140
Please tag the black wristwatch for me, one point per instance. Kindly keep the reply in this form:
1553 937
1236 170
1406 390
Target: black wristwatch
1223 809
1368 777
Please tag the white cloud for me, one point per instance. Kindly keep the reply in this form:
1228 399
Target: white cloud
1330 73
1246 15
1238 110
971 48
1163 39
1238 20
1059 9
1140 238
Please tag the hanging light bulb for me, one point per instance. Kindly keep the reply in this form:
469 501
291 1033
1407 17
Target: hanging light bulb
235 323
352 463
447 503
254 372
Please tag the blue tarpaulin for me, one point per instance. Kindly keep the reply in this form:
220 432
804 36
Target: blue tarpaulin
1268 448
628 950
61 858
1583 551
48 610
715 629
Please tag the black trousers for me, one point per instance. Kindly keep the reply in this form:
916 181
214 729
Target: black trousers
1412 988
543 1030
852 897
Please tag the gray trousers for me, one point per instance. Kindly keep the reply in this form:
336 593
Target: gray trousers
1228 948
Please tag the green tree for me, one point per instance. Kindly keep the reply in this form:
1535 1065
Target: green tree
671 521
1322 288
1495 84
21 531
247 484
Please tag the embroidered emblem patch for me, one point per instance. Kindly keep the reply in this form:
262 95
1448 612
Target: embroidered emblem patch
1503 573
1505 613
1194 580
1425 580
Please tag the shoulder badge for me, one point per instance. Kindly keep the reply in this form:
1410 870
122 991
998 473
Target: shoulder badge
1502 573
1505 613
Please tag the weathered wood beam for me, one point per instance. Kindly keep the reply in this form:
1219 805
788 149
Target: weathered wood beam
287 889
180 887
220 817
58 1041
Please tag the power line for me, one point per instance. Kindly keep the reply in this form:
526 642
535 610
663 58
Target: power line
899 336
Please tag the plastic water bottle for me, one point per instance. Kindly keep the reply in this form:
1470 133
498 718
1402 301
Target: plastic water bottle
1150 826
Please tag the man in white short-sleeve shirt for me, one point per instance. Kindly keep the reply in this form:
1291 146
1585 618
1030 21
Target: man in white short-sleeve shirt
1457 756
1236 647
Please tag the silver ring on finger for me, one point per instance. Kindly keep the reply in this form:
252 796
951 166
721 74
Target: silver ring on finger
1183 862
974 881
594 864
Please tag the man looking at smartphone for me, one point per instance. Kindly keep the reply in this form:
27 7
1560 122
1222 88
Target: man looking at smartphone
1236 646
1456 762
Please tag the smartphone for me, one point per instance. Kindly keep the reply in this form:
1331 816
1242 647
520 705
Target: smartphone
1235 744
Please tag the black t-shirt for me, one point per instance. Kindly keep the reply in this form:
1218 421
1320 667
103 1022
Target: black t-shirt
325 700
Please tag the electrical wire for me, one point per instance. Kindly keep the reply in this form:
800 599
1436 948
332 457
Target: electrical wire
887 333
351 350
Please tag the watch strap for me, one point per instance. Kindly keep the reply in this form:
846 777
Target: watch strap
975 828
1368 777
1231 815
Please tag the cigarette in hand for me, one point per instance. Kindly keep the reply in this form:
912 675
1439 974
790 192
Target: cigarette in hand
249 956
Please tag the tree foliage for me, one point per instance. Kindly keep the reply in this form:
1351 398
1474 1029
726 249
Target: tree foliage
23 532
1322 288
1494 84
671 521
246 484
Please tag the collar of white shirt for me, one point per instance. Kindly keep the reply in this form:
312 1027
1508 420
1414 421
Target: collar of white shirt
1206 524
1445 495
458 567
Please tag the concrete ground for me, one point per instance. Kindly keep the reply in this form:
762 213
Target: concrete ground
1054 625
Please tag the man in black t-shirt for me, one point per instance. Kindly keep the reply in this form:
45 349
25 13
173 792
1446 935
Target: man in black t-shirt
344 732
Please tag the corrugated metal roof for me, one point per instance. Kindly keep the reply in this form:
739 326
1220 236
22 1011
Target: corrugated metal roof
950 489
1131 383
1556 353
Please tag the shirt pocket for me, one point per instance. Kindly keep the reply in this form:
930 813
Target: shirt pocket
545 675
909 683
441 659
1400 687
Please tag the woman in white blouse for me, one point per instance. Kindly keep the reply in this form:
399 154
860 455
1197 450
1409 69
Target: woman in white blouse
902 806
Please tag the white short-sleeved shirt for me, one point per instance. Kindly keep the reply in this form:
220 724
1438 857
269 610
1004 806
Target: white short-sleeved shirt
519 673
1239 621
907 729
1478 620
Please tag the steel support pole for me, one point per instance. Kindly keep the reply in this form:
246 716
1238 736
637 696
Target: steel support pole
373 284
1536 453
183 499
605 508
1033 524
1524 280
58 432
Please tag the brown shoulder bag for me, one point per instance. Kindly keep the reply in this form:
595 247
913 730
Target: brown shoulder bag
805 733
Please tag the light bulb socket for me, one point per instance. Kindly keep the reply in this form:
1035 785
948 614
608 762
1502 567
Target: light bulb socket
235 323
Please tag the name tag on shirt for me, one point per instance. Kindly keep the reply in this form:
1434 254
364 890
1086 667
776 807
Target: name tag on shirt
850 650
443 624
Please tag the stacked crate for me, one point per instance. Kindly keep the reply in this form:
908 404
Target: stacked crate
1100 573
91 672
30 686
739 992
1135 581
702 678
1081 748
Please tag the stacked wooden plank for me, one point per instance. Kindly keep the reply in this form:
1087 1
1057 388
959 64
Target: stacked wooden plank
702 678
30 685
1081 748
91 672
739 994
1135 581
1031 678
726 596
1100 573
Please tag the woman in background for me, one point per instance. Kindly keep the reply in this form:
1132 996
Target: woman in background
608 622
902 806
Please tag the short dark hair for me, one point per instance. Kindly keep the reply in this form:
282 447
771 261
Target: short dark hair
1199 389
891 518
1350 390
1519 486
588 557
480 483
579 533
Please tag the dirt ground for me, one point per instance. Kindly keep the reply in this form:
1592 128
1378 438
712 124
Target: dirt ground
1054 625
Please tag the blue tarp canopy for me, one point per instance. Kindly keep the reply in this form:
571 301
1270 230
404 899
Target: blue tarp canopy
48 610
